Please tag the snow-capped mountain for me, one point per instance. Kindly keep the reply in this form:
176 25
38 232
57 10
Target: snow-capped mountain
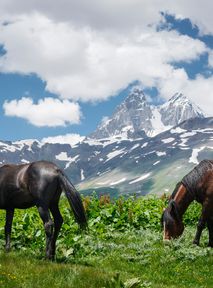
151 165
121 166
132 115
136 118
178 109
120 157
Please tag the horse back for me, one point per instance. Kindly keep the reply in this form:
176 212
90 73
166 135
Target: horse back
26 185
199 181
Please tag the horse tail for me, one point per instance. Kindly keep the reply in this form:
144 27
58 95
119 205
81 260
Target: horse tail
74 199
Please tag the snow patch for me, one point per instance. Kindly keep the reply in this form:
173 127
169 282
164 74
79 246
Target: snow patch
7 147
64 157
193 159
188 134
27 142
25 161
168 140
144 145
118 182
134 147
82 175
144 176
195 152
159 153
114 154
156 122
177 130
71 139
183 142
206 130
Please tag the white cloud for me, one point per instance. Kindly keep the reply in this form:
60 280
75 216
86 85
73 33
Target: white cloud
87 65
122 15
47 112
88 50
71 139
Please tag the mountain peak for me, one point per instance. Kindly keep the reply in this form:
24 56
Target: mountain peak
137 93
177 96
131 116
180 99
179 108
135 117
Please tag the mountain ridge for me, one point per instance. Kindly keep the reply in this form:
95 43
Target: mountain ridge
136 116
124 166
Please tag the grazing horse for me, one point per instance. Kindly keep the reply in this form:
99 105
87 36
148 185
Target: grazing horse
196 185
38 184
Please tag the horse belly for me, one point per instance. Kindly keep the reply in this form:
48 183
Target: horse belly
20 199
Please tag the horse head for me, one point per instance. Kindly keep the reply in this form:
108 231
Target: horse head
172 222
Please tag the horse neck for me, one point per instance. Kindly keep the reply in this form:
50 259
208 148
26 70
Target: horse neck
183 199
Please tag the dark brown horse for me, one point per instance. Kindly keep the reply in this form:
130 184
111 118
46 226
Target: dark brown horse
38 184
196 185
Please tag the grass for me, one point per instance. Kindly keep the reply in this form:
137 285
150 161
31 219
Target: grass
131 254
124 249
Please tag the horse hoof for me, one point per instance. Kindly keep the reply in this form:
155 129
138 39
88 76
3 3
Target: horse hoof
50 257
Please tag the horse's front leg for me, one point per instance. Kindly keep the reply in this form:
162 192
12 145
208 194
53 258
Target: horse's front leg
48 227
8 228
210 228
200 226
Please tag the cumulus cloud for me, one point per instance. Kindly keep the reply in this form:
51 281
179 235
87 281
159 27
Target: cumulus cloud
47 112
89 50
83 64
122 15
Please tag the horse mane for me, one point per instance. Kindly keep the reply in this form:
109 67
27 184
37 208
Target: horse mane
191 180
175 190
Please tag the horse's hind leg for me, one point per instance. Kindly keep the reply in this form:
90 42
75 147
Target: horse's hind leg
210 228
8 227
48 227
58 220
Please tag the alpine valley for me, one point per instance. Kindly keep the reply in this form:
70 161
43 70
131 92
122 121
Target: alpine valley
140 149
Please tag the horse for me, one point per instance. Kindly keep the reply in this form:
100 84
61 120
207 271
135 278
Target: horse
196 185
38 184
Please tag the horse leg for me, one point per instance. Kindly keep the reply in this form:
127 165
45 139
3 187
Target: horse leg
8 227
210 228
48 227
58 220
206 212
200 226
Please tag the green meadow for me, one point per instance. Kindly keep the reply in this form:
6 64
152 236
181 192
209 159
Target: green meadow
122 248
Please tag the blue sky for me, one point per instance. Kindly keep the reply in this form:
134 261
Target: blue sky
61 72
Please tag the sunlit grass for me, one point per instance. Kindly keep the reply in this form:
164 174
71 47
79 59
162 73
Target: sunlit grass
123 249
133 254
